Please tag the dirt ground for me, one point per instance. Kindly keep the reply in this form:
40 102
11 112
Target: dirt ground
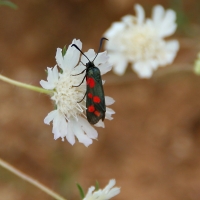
151 148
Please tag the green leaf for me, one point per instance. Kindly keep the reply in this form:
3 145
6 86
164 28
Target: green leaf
96 185
82 194
8 3
64 50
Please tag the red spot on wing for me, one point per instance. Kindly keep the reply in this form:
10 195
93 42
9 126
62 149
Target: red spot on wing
96 99
97 113
90 95
91 108
90 82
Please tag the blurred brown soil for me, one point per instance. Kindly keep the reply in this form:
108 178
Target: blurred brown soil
151 147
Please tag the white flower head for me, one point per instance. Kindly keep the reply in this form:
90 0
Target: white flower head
107 193
140 41
69 115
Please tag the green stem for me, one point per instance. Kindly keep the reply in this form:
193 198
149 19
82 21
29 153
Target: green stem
24 85
30 180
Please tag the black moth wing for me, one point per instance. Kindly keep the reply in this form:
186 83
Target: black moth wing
97 92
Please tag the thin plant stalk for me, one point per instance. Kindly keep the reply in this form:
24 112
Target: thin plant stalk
30 180
24 85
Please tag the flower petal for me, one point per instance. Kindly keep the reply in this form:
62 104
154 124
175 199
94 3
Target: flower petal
87 128
70 135
90 54
139 14
72 55
172 47
110 184
113 192
55 74
89 193
115 28
164 21
120 63
59 58
129 20
59 126
168 26
50 117
79 133
107 193
109 100
100 123
143 70
109 113
52 78
101 58
157 14
104 68
167 55
47 85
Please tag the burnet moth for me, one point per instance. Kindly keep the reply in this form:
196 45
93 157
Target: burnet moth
95 99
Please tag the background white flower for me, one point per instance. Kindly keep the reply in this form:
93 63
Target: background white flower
140 41
107 193
69 116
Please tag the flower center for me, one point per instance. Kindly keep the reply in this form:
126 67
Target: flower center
67 97
142 42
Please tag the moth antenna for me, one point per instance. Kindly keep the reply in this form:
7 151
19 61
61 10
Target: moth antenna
101 42
73 45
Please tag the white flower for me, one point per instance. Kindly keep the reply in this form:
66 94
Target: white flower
140 41
69 116
107 193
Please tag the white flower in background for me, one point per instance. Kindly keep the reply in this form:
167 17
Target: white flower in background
107 193
140 41
69 116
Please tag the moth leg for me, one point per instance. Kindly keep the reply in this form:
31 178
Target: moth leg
82 98
79 73
82 64
80 83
